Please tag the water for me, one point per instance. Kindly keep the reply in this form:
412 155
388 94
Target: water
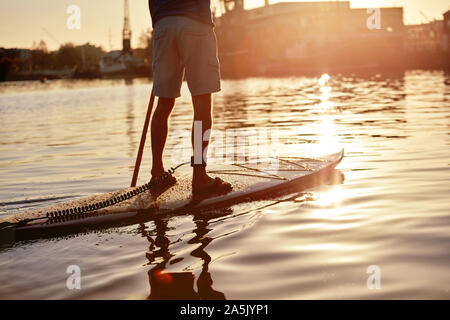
65 139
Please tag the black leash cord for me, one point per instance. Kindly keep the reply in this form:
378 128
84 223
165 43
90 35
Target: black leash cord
87 211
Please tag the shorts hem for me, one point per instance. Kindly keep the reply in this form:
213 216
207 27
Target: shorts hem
164 95
199 93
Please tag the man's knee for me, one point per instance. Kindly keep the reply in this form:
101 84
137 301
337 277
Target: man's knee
164 107
202 103
202 98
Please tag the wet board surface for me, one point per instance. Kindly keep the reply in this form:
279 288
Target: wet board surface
250 181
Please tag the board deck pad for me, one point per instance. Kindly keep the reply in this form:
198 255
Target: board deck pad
249 180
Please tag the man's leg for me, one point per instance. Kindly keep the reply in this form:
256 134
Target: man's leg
159 128
202 112
198 50
167 79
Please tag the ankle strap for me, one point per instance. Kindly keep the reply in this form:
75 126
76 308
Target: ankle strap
201 165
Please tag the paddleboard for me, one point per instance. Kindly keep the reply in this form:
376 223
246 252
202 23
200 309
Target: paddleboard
250 180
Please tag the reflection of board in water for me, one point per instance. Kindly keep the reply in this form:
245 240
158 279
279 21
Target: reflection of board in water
250 182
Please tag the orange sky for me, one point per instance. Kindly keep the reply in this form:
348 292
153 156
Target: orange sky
23 21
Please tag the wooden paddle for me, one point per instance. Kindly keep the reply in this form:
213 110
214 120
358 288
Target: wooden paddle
142 144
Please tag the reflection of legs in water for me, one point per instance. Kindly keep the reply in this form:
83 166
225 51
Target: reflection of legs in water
166 286
204 281
178 285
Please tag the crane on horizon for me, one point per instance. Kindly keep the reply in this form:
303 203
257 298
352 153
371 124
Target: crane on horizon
126 34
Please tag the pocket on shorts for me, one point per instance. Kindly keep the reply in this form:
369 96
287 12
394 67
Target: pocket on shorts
213 60
158 45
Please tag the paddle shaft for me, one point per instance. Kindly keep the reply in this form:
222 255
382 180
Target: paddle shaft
143 137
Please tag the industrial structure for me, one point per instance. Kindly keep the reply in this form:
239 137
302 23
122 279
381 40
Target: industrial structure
446 36
122 63
126 33
290 37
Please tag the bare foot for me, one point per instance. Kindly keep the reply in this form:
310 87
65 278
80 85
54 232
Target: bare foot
203 184
160 181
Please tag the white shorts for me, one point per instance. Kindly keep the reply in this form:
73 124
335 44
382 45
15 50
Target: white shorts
184 46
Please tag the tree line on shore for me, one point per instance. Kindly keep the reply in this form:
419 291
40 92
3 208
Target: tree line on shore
68 56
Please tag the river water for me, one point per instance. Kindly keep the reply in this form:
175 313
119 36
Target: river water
381 231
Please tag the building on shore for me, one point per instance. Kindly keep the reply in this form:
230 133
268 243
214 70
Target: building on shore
427 44
288 37
427 37
446 33
22 58
18 64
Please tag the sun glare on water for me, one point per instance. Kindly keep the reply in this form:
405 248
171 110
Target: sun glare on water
326 128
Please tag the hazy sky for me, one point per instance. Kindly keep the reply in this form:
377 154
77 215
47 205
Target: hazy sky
23 21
